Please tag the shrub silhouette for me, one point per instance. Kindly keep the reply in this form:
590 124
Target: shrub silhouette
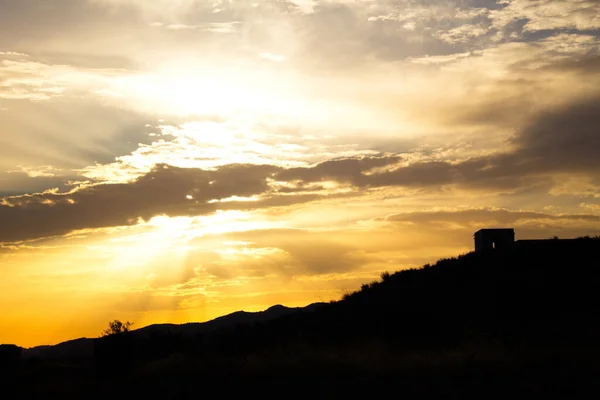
115 327
385 276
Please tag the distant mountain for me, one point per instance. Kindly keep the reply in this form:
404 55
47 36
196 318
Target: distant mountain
227 321
77 348
84 347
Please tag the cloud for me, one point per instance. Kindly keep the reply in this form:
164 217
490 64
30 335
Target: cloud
272 57
366 133
216 27
321 34
549 14
164 190
345 170
592 207
60 26
556 141
527 87
483 217
564 139
310 252
42 171
19 183
74 31
456 227
462 34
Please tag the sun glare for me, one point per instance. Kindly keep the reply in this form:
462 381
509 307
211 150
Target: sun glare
165 235
210 92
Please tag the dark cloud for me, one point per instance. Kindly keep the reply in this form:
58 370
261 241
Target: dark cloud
566 139
345 170
587 66
531 83
557 140
300 188
478 216
18 183
161 191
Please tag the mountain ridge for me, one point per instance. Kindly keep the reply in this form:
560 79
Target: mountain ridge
84 346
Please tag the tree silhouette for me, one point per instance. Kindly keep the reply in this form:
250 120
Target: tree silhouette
115 327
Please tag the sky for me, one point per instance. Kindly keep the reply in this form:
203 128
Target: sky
178 160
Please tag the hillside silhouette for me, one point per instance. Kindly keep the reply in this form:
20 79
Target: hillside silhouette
84 347
485 324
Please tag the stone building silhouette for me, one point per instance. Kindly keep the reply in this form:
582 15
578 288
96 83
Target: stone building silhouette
494 238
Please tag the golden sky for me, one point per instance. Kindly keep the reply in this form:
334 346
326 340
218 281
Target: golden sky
177 160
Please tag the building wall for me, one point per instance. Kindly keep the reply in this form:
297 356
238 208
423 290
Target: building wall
490 239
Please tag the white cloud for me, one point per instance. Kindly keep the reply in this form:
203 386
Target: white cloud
549 14
407 15
428 60
595 208
209 144
306 6
45 171
272 57
462 34
13 53
40 81
215 27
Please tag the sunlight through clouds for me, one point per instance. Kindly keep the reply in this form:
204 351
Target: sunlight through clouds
209 144
172 161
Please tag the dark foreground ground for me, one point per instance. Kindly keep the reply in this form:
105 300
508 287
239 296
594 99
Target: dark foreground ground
370 372
520 322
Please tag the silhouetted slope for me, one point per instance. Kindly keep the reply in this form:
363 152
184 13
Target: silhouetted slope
543 290
482 325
